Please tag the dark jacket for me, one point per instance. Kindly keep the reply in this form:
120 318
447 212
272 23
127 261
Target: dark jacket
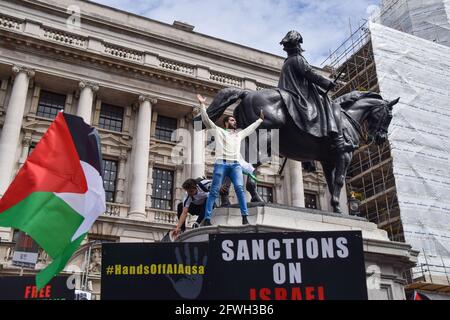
303 91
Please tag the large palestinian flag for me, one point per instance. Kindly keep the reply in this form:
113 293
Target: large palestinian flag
58 193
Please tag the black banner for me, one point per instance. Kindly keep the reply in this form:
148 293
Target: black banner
24 288
287 266
153 271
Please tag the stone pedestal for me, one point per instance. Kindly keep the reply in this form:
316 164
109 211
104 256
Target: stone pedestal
385 260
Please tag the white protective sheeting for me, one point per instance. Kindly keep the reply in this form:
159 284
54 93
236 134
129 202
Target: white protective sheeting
418 71
427 19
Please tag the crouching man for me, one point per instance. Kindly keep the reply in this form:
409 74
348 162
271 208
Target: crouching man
194 202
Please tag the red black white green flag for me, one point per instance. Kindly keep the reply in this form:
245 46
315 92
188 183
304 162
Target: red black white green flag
420 296
58 193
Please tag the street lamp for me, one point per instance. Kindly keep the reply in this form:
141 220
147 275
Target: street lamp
354 204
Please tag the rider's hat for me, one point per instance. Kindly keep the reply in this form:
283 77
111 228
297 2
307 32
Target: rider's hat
292 40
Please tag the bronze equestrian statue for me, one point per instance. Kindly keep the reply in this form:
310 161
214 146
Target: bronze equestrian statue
311 126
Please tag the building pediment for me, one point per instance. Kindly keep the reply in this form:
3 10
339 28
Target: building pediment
113 140
36 125
309 178
161 148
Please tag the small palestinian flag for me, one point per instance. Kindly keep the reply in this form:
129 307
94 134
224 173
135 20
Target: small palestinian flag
420 296
58 193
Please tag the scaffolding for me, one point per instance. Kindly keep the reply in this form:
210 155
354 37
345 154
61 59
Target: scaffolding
359 71
370 175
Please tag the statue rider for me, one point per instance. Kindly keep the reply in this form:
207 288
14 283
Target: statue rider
308 94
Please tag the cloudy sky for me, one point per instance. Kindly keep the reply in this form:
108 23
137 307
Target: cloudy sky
261 24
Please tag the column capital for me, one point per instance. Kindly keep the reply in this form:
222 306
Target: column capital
18 68
89 84
123 157
145 97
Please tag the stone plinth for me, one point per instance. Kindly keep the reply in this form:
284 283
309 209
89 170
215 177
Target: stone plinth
385 260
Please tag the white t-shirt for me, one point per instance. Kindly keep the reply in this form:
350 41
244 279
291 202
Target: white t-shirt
228 143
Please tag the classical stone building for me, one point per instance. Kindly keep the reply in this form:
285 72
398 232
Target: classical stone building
135 79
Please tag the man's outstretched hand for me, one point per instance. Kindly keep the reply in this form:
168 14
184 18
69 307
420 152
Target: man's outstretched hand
201 99
176 232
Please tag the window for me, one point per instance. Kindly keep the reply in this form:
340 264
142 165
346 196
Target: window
164 128
26 250
50 104
24 242
111 117
162 189
311 201
266 193
109 179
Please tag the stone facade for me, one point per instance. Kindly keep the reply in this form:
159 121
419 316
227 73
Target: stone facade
149 70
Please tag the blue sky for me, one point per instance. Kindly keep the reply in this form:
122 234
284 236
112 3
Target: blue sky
261 24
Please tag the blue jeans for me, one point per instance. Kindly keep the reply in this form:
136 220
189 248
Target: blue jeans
224 169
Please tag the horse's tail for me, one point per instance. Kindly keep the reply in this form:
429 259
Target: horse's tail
223 99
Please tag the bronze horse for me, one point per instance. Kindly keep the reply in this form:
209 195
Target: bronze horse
357 107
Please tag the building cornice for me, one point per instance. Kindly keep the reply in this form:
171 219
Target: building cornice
143 72
167 69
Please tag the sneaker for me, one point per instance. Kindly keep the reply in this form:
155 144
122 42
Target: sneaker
195 225
207 223
244 220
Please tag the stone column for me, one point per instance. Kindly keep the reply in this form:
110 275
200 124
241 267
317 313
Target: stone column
187 145
296 177
198 151
141 157
179 192
87 90
278 191
323 199
121 178
3 89
9 139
